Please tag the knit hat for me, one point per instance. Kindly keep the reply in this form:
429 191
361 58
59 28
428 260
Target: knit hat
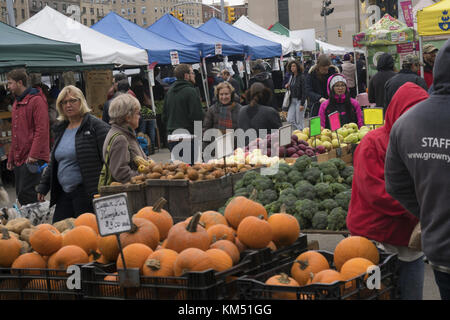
336 79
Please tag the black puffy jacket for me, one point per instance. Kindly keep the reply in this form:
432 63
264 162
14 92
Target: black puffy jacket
89 141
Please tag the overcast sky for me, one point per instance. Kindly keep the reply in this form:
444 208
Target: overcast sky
231 2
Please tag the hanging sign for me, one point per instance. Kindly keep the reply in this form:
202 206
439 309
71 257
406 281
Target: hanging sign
112 214
373 116
174 58
314 127
218 49
335 121
151 73
285 135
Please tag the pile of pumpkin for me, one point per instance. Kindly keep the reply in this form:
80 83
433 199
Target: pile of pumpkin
352 258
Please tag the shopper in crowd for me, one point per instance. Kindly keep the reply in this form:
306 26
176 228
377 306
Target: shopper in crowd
408 73
182 105
349 70
258 115
76 159
121 146
340 101
30 140
226 76
237 77
122 87
316 83
385 67
113 89
373 213
361 71
261 75
296 85
429 56
416 167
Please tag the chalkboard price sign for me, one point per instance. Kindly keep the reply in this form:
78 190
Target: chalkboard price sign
112 213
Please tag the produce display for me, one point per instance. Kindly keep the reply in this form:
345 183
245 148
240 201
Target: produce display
317 194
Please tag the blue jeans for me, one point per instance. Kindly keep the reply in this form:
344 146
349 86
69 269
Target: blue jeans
411 279
149 128
294 116
443 282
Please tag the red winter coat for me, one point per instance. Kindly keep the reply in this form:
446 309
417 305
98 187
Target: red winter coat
373 213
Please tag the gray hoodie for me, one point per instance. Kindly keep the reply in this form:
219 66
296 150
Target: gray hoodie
417 167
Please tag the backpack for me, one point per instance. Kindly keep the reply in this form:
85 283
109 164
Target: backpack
106 178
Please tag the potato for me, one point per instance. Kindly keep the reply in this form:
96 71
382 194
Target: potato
17 225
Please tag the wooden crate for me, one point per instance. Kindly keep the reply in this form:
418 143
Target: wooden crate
135 194
184 198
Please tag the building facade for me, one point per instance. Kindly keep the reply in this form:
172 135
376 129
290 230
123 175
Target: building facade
21 11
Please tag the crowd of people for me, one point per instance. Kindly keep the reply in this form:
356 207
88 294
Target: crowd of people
398 180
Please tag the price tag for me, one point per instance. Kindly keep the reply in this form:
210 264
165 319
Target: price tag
174 58
112 213
285 135
373 116
335 121
247 67
314 127
218 49
224 145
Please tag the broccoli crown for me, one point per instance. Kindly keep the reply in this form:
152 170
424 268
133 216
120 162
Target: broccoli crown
303 222
240 184
294 176
249 176
302 163
328 179
323 190
273 207
349 180
338 162
305 191
280 176
328 168
320 220
336 219
288 192
312 175
241 192
302 183
346 172
289 201
328 205
306 208
262 183
343 199
280 186
285 168
267 196
338 187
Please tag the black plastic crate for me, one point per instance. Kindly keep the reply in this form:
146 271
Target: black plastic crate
254 287
36 284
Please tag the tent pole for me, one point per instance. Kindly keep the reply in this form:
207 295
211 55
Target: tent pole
421 56
205 82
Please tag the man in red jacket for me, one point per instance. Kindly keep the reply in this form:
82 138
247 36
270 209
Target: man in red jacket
373 213
30 145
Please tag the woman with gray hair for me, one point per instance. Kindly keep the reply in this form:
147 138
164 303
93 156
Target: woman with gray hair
76 159
121 146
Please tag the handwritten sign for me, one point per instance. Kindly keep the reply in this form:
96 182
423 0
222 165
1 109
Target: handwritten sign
335 121
174 58
112 213
285 135
314 126
373 116
218 49
224 145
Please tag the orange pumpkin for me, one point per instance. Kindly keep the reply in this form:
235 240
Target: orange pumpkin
254 232
192 259
67 256
241 247
240 208
220 232
135 255
109 247
46 239
307 263
282 280
326 276
188 234
32 260
160 263
220 259
82 236
285 229
229 247
211 218
9 249
354 247
353 268
160 217
142 231
87 219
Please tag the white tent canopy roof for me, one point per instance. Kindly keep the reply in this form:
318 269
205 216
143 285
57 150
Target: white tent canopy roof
288 44
95 46
328 48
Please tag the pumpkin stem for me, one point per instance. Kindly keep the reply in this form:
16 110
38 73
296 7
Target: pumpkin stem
153 264
5 234
134 228
283 278
253 195
159 204
95 254
261 217
303 264
192 226
283 208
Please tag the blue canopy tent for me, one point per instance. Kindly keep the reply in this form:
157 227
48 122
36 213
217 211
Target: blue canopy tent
256 47
176 30
157 46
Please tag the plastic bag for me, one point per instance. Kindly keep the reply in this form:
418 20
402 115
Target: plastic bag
37 213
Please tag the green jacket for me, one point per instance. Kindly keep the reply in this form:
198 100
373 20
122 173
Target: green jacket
182 106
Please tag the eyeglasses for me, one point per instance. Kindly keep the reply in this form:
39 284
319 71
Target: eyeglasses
339 85
71 101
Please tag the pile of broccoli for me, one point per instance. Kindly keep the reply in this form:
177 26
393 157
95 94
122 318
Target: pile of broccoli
317 194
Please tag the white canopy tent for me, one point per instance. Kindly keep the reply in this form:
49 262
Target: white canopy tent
328 48
288 44
95 46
